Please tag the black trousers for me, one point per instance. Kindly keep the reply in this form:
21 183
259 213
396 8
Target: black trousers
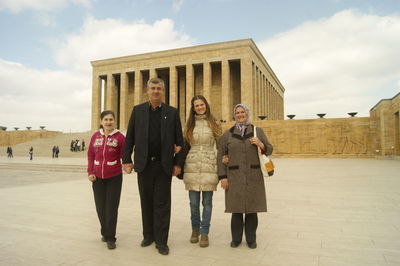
250 224
155 199
107 193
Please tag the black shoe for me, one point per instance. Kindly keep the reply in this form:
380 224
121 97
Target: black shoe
111 245
252 245
146 242
103 239
163 249
234 244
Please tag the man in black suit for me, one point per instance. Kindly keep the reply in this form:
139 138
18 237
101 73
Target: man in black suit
155 134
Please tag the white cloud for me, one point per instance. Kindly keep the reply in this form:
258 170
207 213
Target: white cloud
56 99
16 6
344 63
177 5
45 19
99 39
61 100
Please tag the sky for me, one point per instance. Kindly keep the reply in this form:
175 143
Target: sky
332 56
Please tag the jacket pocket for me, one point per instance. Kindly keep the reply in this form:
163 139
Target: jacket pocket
254 166
112 163
233 167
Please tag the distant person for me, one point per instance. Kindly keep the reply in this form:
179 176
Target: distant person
83 145
72 145
11 152
31 153
57 151
242 178
155 134
105 172
200 167
54 152
78 145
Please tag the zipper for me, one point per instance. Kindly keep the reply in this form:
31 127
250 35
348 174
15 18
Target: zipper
104 157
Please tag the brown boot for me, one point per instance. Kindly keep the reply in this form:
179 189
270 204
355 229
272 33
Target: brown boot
194 238
204 241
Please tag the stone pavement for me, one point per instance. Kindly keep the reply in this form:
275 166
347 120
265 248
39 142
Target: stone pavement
320 212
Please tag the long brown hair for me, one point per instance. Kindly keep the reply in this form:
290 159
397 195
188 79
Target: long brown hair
216 130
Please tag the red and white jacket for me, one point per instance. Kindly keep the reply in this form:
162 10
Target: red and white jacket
105 153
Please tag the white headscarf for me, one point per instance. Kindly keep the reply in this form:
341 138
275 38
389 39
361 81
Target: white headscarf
242 126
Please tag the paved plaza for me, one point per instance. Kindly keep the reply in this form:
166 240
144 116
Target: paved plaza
321 212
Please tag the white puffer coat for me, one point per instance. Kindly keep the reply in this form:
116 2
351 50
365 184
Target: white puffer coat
201 165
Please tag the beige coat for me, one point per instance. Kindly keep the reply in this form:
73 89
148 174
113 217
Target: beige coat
246 192
200 164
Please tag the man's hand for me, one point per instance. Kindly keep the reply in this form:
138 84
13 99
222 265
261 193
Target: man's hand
177 148
224 183
127 167
176 170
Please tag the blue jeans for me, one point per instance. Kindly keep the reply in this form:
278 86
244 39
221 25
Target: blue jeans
204 225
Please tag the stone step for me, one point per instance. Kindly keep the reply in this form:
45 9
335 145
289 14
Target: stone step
43 167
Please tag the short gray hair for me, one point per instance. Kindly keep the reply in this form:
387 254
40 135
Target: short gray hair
155 81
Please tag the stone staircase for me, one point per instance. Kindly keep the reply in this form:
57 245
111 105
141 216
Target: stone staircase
43 147
44 167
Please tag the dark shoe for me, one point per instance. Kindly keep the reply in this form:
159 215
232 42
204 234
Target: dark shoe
204 242
252 245
163 249
234 244
103 239
111 245
146 242
194 238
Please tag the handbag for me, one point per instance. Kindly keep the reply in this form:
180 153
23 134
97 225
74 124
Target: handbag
266 164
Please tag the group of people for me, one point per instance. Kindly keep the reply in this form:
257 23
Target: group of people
77 145
9 152
55 151
203 157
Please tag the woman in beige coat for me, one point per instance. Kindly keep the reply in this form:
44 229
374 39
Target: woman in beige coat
242 178
200 169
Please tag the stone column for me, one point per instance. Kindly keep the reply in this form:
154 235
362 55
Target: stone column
260 94
123 106
153 73
173 87
270 100
189 88
207 81
262 98
225 91
247 95
111 103
96 101
257 95
138 87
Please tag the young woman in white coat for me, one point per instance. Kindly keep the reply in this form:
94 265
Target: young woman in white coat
200 170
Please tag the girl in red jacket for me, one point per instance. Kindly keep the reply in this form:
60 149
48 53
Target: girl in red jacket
105 172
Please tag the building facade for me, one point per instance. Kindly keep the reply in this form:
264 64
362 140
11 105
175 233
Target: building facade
225 73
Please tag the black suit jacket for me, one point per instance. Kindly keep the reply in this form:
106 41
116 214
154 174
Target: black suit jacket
137 136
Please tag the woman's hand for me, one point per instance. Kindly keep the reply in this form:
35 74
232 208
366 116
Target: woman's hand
177 148
257 142
92 178
224 183
225 159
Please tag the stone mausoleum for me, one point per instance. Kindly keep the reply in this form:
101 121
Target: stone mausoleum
226 73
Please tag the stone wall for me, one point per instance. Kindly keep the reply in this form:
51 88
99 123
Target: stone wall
385 120
339 137
9 138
